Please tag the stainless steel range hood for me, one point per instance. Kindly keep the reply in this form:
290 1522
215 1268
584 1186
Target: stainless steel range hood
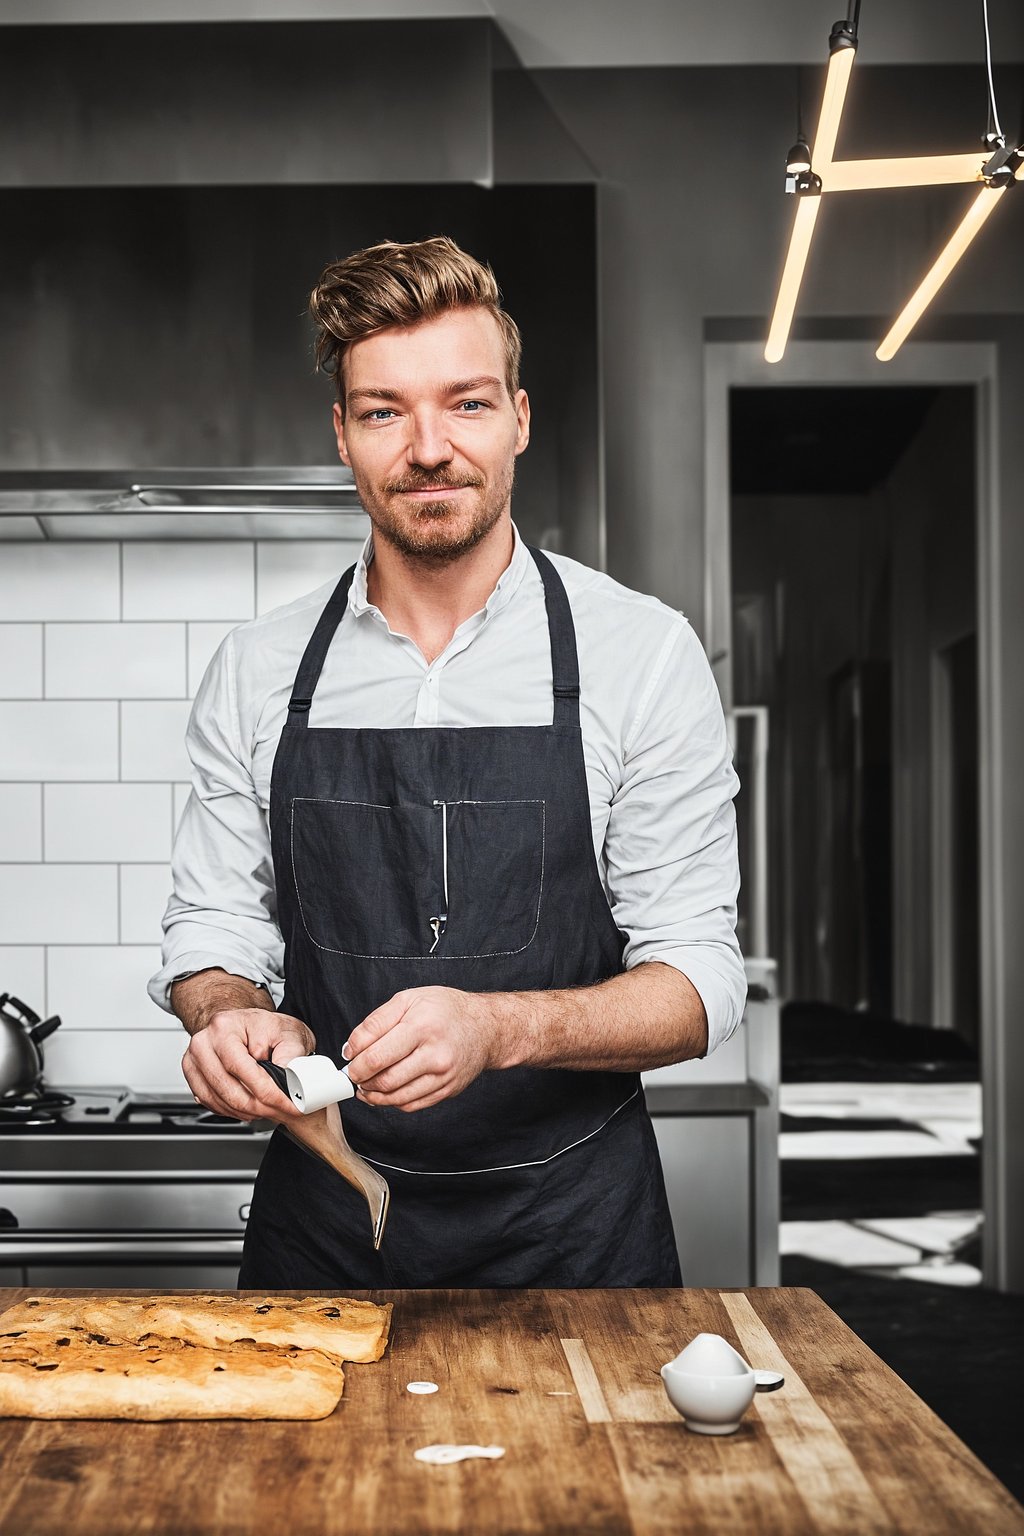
273 503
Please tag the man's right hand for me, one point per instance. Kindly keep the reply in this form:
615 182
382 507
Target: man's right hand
229 1039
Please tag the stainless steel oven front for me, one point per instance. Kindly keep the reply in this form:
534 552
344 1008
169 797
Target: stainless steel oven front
138 1206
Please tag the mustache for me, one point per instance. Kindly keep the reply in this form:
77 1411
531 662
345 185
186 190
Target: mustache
436 480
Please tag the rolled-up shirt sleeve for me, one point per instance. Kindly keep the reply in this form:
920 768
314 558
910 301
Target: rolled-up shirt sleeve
223 907
672 869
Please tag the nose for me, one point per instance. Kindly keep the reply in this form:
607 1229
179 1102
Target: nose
429 444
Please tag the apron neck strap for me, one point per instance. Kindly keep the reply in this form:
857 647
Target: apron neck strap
565 672
565 667
311 665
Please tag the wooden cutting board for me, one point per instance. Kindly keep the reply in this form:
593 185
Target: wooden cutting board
568 1383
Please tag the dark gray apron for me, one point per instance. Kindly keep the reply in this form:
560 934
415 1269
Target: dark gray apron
458 857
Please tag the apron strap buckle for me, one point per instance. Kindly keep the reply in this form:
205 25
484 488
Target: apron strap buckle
566 690
299 706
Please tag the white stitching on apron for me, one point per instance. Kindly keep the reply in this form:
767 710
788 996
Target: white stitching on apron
354 954
458 1173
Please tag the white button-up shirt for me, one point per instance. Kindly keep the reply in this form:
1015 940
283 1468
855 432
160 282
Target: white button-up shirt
658 766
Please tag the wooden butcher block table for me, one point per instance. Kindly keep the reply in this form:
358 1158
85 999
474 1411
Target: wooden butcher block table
567 1382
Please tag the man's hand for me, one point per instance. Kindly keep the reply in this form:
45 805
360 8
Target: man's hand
429 1043
234 1026
421 1046
221 1064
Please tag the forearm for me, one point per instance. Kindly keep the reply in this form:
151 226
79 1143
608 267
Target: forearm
196 999
645 1018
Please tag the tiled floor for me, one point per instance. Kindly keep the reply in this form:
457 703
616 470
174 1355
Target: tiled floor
868 1122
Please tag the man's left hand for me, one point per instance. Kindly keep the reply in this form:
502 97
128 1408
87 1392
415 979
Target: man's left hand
423 1045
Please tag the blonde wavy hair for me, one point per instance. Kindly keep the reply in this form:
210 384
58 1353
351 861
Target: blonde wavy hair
392 284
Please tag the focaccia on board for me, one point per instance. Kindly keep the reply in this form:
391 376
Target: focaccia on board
78 1375
342 1329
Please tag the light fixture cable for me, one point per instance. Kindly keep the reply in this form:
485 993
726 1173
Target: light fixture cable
993 110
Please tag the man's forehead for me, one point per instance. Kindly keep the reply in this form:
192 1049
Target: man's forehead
460 344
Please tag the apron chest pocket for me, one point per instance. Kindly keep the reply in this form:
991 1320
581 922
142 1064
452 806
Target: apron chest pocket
444 880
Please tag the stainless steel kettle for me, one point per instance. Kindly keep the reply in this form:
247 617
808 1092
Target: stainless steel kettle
21 1034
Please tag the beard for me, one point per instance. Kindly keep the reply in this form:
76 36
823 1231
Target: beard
435 533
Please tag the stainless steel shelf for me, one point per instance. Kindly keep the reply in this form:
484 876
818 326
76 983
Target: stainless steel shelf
291 503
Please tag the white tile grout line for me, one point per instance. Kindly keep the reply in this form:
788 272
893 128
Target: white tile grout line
192 618
105 698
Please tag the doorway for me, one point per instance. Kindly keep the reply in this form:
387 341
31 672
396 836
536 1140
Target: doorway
850 732
853 585
853 576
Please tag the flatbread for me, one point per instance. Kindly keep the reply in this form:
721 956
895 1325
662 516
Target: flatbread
340 1328
78 1375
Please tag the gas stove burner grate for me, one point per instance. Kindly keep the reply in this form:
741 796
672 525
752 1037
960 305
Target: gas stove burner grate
40 1107
120 1111
26 1114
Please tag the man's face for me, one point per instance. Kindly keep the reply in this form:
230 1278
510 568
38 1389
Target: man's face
431 434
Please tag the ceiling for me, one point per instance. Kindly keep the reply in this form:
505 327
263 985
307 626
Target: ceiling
580 34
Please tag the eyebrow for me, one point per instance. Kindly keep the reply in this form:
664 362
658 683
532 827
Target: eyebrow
457 387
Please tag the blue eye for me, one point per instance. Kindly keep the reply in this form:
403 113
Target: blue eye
380 414
472 407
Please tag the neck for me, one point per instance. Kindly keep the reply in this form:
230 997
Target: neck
428 602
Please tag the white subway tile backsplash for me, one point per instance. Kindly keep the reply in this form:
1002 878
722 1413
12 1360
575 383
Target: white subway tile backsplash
285 571
153 739
58 740
145 889
181 794
115 661
94 700
21 661
204 580
141 1059
62 581
203 640
58 903
103 986
23 974
21 823
106 823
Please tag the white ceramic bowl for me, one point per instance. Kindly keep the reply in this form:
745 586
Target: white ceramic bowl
710 1384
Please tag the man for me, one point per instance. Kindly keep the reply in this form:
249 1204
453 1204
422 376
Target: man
499 876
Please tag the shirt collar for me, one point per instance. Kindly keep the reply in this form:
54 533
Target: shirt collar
506 585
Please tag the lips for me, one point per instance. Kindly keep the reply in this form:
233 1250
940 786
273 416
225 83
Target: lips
432 492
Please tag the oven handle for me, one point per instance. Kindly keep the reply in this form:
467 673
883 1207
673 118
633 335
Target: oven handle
124 1247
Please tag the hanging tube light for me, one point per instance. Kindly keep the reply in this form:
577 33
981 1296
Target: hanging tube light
983 205
993 173
792 274
843 45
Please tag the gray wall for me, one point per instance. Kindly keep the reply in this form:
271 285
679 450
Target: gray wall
221 104
1004 1068
693 226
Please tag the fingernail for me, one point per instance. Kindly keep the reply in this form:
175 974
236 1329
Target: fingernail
346 1054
